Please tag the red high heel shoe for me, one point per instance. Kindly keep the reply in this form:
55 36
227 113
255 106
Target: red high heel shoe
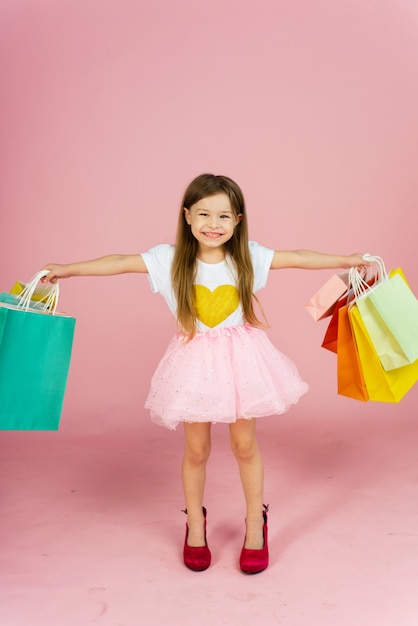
255 561
196 559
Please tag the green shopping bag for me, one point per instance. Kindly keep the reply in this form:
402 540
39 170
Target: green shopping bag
35 353
389 311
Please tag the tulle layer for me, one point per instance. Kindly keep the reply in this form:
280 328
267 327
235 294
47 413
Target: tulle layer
222 375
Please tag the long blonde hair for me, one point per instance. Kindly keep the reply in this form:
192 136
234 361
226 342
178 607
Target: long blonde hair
183 271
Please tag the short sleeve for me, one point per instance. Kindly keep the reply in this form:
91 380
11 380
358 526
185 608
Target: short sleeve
261 258
158 261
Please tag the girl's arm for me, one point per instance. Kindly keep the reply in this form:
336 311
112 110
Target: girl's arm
103 266
311 260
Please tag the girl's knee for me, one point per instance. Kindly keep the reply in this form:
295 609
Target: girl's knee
243 439
197 443
197 454
244 448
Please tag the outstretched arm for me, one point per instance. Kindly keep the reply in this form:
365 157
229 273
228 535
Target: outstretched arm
311 260
103 266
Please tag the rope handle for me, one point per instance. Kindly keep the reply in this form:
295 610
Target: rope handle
358 282
48 302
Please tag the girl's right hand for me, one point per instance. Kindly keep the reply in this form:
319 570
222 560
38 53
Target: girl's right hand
56 271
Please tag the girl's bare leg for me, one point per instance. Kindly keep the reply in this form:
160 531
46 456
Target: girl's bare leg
245 448
196 453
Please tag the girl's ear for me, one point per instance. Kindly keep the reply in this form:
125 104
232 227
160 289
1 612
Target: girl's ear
238 218
187 215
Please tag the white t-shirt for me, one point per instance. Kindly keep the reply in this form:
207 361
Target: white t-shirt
217 300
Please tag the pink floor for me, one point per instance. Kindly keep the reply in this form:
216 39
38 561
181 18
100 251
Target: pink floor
92 531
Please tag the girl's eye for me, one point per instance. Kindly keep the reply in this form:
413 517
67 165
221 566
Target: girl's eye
226 217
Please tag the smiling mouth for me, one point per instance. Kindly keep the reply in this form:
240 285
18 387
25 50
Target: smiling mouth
212 235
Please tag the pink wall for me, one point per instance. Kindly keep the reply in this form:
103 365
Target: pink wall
109 108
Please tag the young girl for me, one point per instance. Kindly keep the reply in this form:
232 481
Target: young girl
221 366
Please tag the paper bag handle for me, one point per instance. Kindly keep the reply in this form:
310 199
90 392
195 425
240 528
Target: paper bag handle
48 302
357 282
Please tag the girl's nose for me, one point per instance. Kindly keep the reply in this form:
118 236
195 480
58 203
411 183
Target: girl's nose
213 221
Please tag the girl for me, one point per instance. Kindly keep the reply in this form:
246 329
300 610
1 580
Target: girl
221 366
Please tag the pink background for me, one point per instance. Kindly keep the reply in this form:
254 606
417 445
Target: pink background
110 108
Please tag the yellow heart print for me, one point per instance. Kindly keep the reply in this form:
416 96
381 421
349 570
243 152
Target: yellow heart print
213 307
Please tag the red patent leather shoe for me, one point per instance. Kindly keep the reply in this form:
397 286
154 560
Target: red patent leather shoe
255 561
196 559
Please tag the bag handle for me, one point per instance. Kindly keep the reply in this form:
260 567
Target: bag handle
48 302
358 283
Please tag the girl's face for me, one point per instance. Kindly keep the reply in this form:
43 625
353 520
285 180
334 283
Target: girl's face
212 221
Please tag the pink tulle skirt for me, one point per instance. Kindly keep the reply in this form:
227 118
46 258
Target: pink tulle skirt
222 375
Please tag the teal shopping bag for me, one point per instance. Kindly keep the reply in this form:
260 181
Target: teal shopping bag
35 353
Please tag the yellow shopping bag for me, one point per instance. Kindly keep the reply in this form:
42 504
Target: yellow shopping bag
382 386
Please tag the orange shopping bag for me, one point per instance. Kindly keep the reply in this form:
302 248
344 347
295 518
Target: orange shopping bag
350 377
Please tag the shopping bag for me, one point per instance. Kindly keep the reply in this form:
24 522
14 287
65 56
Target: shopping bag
323 302
330 338
350 379
382 386
35 353
389 312
9 298
331 334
